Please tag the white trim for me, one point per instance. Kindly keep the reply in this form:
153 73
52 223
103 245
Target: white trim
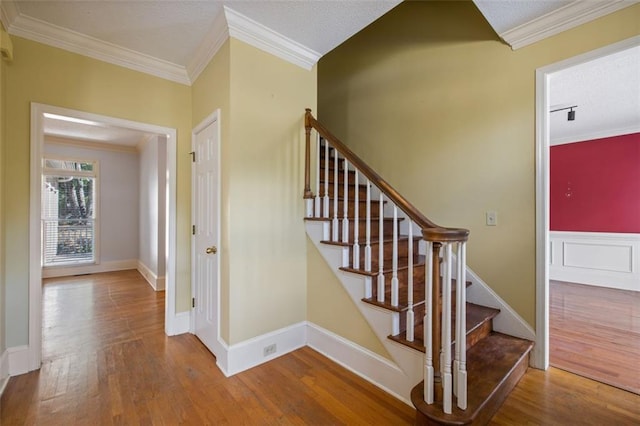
174 323
249 353
82 143
263 38
4 371
72 41
370 366
596 258
156 282
179 324
540 354
210 45
562 19
93 268
19 360
507 321
609 133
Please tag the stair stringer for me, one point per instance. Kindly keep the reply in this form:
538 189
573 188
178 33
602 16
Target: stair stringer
409 362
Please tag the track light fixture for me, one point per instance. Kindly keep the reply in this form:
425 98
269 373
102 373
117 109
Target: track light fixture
571 115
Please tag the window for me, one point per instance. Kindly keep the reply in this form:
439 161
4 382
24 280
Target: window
68 212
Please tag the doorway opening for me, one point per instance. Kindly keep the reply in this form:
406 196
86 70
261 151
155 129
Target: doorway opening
64 128
544 105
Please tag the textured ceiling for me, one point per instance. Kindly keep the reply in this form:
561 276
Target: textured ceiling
607 92
505 15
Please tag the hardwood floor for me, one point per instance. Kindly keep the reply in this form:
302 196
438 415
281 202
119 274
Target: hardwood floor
107 361
595 332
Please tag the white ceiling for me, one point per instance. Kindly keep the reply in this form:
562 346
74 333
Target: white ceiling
174 39
607 93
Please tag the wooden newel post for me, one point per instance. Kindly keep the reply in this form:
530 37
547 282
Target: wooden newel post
307 156
436 308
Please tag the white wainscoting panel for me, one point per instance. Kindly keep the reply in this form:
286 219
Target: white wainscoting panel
596 258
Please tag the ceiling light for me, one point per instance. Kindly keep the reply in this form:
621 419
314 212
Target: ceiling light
71 119
571 115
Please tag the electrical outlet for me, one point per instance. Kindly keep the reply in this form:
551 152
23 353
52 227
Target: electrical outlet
269 350
492 218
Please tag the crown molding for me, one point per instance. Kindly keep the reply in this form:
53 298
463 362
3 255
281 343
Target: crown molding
212 42
72 41
562 19
263 38
609 133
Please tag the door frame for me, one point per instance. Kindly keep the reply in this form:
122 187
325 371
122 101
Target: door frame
35 269
219 349
541 349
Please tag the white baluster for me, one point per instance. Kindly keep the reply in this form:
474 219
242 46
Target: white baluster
447 396
345 204
356 226
461 327
335 223
316 203
429 382
381 251
325 201
367 246
394 259
410 316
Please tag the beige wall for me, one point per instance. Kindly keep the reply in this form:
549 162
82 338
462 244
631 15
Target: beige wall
210 92
262 246
52 76
267 244
330 306
3 345
445 111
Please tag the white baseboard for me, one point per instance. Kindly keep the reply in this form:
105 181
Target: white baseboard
596 258
4 371
368 365
156 282
65 271
250 353
18 360
179 324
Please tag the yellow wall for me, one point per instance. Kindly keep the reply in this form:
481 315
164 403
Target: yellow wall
330 307
210 91
44 74
262 245
267 243
431 98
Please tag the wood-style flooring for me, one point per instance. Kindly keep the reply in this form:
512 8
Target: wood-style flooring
107 361
595 332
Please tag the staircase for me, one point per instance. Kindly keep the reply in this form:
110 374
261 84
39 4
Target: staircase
401 270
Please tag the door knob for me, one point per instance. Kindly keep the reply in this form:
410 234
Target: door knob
211 250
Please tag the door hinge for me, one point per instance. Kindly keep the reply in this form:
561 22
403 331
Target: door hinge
193 156
193 302
193 230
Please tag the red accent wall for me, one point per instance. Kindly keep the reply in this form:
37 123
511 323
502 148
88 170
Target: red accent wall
595 185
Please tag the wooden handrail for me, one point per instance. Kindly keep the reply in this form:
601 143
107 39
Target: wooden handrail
430 231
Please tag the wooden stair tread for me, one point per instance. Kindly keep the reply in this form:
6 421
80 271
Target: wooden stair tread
494 366
477 316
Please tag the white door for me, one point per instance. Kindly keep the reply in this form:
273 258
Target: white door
205 205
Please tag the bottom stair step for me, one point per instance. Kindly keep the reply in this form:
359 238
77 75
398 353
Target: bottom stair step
495 365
